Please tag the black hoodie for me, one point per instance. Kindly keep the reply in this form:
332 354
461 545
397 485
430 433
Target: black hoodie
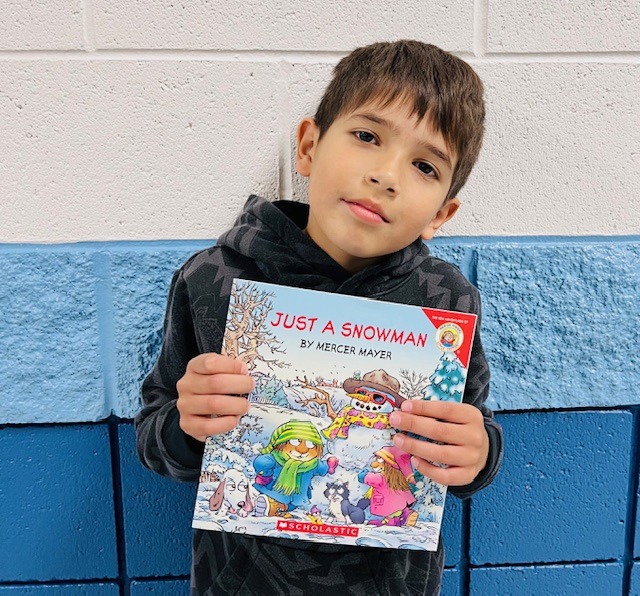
267 243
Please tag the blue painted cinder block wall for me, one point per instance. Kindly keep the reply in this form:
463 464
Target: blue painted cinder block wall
80 326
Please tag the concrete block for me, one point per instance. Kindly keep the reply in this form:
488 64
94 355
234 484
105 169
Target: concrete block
37 25
452 530
161 588
56 498
50 366
539 26
598 578
635 580
536 175
636 548
157 516
298 25
154 150
559 322
561 493
100 589
141 278
450 582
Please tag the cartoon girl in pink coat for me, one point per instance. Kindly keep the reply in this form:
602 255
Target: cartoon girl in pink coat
390 496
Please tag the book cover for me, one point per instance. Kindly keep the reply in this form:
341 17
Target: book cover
314 458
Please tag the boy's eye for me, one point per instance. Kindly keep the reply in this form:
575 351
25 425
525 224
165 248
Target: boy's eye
365 136
295 442
425 168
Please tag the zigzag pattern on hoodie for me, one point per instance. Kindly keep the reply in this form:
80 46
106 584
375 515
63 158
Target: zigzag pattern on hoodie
267 243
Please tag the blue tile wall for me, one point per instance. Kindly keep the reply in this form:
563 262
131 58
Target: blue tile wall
49 338
600 579
157 516
636 549
452 530
80 326
140 281
84 320
450 583
559 323
561 494
56 499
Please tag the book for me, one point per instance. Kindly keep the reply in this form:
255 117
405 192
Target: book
314 457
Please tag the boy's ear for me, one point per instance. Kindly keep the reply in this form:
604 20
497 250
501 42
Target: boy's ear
445 213
307 138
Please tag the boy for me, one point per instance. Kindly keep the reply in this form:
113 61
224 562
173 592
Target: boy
394 139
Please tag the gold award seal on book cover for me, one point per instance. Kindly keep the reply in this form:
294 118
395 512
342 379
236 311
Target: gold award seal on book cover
449 337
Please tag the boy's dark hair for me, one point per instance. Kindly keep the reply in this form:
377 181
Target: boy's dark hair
436 85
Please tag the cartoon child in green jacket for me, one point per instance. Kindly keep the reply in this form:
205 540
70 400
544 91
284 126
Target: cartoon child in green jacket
286 467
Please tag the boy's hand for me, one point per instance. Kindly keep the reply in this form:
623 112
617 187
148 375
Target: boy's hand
459 426
208 392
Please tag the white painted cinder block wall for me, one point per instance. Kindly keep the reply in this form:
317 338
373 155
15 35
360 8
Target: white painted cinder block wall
155 119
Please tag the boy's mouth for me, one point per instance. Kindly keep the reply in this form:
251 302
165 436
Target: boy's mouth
367 210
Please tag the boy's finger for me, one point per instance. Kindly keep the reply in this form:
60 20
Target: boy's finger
218 384
213 405
211 364
448 476
449 455
200 427
455 412
432 428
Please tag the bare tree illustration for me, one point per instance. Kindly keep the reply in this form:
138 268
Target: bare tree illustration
247 333
320 397
413 383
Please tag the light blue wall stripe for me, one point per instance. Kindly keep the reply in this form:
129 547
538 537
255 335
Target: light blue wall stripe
95 311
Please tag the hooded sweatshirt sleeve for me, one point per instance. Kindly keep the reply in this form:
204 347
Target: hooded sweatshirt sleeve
475 393
162 445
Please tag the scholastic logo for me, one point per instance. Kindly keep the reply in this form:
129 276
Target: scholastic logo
285 525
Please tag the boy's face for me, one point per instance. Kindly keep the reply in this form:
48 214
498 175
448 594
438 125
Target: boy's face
378 180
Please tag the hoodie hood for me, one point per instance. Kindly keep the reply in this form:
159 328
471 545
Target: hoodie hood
271 234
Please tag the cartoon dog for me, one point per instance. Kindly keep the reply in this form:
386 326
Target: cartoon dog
233 492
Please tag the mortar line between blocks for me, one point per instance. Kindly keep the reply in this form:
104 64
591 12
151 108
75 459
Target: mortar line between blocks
632 504
480 27
106 341
465 557
88 26
285 183
118 506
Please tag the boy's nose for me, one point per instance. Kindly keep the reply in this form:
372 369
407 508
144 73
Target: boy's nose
383 181
384 176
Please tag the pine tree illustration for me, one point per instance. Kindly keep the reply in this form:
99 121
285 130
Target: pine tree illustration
447 382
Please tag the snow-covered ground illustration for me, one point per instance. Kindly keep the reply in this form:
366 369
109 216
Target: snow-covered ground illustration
232 456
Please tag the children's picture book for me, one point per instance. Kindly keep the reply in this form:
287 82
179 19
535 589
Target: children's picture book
314 457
